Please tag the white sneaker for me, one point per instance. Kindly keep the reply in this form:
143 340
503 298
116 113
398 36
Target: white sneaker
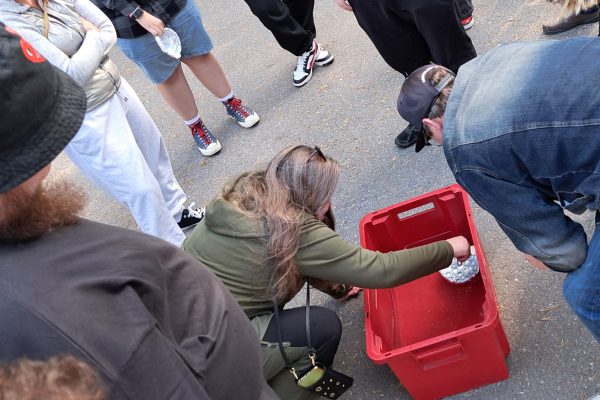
304 66
324 57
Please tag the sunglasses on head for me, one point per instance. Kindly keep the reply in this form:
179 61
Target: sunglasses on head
316 151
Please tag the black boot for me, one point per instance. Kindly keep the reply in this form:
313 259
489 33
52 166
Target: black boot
407 137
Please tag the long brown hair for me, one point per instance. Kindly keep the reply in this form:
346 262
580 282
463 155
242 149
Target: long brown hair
300 180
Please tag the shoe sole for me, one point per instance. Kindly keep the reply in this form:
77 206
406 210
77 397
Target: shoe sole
468 26
328 61
214 150
404 145
252 120
555 31
303 81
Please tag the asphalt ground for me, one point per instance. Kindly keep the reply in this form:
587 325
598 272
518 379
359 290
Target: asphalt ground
348 109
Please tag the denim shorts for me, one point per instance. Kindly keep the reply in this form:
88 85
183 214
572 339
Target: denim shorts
158 66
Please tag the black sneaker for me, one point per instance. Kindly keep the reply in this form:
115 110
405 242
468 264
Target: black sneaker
304 66
191 216
407 137
585 17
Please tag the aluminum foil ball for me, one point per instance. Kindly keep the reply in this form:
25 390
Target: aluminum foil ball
169 43
463 273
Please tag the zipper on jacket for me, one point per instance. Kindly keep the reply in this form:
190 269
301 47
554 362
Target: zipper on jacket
114 83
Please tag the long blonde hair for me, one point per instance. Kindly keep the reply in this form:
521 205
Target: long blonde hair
46 18
299 180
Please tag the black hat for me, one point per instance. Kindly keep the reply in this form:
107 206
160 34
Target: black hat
41 108
417 96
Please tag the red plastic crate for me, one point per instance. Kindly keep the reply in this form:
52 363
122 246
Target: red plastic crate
438 338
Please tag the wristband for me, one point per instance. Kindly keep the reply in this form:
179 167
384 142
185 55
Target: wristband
138 12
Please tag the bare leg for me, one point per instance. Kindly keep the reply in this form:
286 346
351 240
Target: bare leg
177 93
208 71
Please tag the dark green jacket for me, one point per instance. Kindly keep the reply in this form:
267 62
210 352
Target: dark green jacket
233 245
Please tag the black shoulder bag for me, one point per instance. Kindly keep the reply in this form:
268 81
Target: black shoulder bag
319 379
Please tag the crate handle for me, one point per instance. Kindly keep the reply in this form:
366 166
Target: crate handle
438 355
417 210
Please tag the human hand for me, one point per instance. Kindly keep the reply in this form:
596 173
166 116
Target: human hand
536 263
152 24
461 247
352 292
343 4
88 26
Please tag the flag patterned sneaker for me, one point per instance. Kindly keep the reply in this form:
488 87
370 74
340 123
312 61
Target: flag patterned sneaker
242 114
304 66
205 140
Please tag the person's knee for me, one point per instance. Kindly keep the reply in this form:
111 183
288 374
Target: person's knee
327 320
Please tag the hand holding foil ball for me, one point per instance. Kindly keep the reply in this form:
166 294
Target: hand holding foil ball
462 271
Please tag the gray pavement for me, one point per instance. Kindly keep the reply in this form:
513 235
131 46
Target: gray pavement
349 110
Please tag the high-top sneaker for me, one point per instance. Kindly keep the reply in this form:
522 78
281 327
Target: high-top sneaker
242 114
207 143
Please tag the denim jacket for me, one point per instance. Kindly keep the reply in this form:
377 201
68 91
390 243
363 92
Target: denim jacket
522 137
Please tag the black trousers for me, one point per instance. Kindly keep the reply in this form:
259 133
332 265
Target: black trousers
464 8
411 33
290 21
325 331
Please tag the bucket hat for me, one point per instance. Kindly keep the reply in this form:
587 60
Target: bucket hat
42 109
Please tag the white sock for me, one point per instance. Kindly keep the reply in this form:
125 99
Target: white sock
227 98
193 120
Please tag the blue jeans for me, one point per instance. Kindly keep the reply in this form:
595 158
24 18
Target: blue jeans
582 287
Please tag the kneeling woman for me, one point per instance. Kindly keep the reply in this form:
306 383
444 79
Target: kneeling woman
271 229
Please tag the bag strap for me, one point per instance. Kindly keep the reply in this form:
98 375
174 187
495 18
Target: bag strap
287 361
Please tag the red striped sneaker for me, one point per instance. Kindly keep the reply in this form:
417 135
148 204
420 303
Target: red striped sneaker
304 66
468 22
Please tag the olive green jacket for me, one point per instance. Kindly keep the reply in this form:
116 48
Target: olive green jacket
233 246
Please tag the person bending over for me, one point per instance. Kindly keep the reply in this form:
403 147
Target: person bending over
270 230
521 142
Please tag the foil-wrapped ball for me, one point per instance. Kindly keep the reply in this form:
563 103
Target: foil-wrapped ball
462 273
169 43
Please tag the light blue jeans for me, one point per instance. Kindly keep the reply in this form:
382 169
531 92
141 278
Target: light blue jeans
582 287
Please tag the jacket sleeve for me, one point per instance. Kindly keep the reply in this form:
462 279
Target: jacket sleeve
323 254
80 66
533 222
87 10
